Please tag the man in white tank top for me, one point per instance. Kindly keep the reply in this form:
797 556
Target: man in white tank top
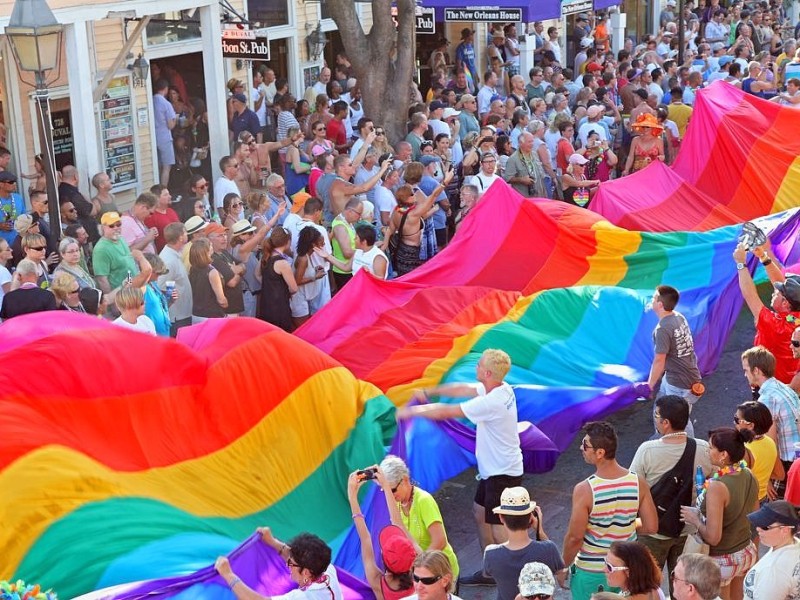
367 255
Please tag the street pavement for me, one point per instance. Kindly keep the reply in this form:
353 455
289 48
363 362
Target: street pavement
726 388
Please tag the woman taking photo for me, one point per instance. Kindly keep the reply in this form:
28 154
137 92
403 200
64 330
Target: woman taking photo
156 304
576 188
414 509
70 251
776 576
208 295
631 567
245 243
397 551
601 158
309 271
277 280
309 561
722 506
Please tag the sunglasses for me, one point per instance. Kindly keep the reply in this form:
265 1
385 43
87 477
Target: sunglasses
771 527
795 343
538 597
115 225
75 291
204 186
39 248
612 569
290 563
737 420
236 205
397 487
426 580
379 132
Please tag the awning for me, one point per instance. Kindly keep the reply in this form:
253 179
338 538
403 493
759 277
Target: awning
532 10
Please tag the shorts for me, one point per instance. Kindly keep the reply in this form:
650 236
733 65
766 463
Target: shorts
736 564
299 305
583 584
166 153
488 493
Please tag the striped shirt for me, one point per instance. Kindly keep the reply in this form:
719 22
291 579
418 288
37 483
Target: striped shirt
615 504
783 403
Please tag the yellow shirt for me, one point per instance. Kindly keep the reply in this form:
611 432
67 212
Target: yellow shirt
680 114
764 454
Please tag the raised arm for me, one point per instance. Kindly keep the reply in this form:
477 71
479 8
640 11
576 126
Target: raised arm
746 284
367 552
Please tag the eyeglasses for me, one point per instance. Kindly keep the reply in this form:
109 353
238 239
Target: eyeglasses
115 225
674 578
426 580
39 248
290 563
795 343
586 446
75 291
657 416
355 212
612 569
737 420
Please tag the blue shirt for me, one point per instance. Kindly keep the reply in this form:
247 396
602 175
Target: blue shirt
247 120
427 185
273 208
163 113
10 209
157 308
465 54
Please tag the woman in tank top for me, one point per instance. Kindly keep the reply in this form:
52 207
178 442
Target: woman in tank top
368 256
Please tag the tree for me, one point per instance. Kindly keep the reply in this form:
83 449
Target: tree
383 59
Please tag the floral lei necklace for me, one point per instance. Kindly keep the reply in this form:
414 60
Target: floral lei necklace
721 472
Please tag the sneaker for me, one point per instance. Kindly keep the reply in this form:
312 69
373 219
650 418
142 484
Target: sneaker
477 578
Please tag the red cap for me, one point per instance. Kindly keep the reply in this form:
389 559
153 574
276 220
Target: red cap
396 549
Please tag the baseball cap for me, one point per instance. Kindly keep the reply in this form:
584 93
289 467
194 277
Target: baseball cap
777 511
790 288
110 218
577 159
214 227
437 104
7 177
429 159
536 578
319 150
717 46
450 112
397 550
240 98
724 60
594 110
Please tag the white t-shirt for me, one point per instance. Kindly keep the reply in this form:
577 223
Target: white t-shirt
384 200
143 324
317 591
497 446
255 94
776 576
295 225
222 187
365 260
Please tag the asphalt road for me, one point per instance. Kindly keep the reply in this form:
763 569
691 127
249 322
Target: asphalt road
726 388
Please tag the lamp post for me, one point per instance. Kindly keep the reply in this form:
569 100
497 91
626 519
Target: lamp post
35 38
316 41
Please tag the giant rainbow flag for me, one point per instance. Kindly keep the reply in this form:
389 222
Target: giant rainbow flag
126 458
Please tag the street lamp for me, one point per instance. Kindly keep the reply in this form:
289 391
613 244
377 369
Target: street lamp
140 69
35 38
316 41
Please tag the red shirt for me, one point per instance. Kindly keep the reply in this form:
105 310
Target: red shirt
774 332
336 133
792 493
316 173
159 221
563 151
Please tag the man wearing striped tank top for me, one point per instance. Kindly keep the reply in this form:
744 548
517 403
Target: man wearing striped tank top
605 508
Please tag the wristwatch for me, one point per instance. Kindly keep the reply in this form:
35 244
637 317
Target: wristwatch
740 266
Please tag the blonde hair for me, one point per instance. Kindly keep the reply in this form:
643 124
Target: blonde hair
497 362
129 297
63 284
437 563
30 240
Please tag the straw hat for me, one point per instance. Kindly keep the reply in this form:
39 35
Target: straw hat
647 121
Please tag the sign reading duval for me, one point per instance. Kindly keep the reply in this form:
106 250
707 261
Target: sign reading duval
245 44
484 14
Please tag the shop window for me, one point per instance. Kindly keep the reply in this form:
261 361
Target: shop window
268 13
171 27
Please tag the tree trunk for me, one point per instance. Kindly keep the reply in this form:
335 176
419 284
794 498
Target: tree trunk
382 60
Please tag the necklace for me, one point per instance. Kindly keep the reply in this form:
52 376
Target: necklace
410 498
673 435
721 472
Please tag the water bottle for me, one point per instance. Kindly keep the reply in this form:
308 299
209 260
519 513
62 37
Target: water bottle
699 480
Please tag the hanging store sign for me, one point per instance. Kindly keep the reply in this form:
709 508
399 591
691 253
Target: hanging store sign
426 19
483 14
245 44
571 7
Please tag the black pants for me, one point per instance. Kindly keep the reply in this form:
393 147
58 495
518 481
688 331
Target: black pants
780 486
341 279
175 325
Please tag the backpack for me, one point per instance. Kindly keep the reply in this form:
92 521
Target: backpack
674 490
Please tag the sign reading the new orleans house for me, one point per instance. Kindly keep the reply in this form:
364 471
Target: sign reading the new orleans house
245 44
570 7
483 14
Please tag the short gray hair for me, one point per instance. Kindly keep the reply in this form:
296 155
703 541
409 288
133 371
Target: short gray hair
26 267
394 469
273 179
471 189
65 242
703 573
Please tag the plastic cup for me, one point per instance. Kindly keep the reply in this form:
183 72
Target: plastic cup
169 288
